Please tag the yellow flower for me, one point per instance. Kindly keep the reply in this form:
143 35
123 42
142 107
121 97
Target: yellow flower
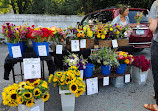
55 79
38 28
45 97
36 83
12 103
59 73
98 35
37 92
29 83
77 73
29 87
30 102
73 87
90 33
22 84
111 29
99 32
117 32
27 95
102 36
127 61
44 85
50 78
12 96
20 100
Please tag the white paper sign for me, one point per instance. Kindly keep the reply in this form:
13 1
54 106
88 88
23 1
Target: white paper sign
42 50
114 43
83 43
127 78
143 77
32 68
35 108
59 49
92 85
16 51
75 45
105 81
81 72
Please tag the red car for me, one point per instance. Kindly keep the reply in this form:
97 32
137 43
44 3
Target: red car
141 37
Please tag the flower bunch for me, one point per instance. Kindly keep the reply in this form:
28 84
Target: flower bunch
59 35
25 93
108 31
124 58
75 60
69 80
141 62
13 33
138 17
40 34
71 32
104 56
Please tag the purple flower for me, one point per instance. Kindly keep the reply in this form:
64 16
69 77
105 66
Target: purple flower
72 58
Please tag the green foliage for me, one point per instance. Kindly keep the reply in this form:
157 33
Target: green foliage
66 7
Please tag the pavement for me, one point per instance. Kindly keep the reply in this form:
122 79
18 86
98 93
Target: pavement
130 98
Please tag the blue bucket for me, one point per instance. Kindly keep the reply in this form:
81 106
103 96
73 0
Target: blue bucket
10 48
106 69
34 45
88 72
39 44
121 69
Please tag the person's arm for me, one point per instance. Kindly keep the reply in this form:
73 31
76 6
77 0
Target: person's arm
153 18
153 24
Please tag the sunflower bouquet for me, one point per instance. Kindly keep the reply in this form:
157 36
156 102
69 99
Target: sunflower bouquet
69 80
75 60
25 93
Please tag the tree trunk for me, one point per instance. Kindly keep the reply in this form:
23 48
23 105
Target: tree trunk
13 6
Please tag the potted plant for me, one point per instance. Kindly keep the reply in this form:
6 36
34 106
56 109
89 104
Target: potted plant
71 85
26 95
105 57
15 35
140 68
124 58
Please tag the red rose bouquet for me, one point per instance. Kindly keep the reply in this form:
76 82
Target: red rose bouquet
142 63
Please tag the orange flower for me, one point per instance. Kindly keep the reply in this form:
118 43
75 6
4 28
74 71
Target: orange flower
82 34
78 34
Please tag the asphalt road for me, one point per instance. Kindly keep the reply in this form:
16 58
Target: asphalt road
130 98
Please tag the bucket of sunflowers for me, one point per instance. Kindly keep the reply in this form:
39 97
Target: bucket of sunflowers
26 95
70 84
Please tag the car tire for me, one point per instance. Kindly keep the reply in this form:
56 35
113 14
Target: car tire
138 49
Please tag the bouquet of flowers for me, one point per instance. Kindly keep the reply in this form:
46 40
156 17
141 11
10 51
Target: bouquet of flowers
71 33
138 17
69 80
25 93
13 33
104 56
75 60
124 58
142 63
59 35
40 34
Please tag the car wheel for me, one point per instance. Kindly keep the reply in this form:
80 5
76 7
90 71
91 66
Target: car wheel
138 49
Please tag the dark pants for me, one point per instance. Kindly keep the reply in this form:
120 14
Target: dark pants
154 64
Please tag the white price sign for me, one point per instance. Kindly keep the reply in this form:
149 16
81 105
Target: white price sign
75 45
92 86
42 50
127 78
16 51
105 81
83 43
114 43
32 68
59 49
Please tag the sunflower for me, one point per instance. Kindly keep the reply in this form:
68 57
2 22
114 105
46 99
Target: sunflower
98 35
103 36
30 102
37 92
55 79
20 100
29 87
59 73
73 67
12 103
36 83
44 85
29 83
45 97
99 32
73 87
50 78
27 95
77 73
22 84
67 80
12 96
79 92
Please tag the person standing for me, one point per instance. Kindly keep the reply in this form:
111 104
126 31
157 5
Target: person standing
153 21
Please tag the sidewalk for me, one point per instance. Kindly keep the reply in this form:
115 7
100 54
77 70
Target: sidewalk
130 98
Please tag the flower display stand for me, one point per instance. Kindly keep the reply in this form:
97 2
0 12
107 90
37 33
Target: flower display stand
108 43
118 82
67 100
138 76
38 106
